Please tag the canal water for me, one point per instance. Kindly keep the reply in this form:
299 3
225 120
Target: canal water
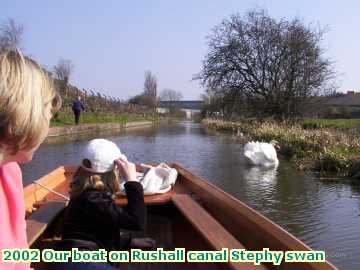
325 215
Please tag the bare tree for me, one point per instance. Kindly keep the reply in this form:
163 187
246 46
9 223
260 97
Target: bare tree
150 88
11 34
272 67
63 70
170 95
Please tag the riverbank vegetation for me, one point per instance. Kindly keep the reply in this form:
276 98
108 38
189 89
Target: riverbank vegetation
66 119
99 107
268 79
324 149
259 66
333 123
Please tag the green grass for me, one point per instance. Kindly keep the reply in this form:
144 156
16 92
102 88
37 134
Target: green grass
341 123
67 119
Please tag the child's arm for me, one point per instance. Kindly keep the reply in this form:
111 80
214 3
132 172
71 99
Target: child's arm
136 206
132 216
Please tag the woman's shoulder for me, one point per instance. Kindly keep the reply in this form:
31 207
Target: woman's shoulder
11 167
11 171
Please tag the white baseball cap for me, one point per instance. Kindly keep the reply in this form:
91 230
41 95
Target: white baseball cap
101 153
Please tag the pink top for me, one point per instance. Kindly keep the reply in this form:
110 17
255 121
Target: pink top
12 213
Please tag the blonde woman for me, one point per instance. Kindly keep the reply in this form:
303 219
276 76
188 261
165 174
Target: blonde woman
27 100
92 219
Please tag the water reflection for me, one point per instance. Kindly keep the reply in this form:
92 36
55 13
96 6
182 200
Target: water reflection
323 214
260 176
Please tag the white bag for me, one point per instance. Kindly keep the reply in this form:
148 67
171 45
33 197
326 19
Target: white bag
155 180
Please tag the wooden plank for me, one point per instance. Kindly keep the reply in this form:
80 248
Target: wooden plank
210 229
37 223
157 199
34 193
250 227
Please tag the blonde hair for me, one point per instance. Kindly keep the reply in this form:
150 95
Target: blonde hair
25 93
83 179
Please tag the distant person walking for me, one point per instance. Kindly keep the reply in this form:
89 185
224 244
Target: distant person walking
77 107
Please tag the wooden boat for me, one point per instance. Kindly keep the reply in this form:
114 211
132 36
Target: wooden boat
195 215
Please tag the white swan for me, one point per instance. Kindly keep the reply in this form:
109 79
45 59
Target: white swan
261 153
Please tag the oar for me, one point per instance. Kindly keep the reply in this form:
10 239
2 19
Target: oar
52 191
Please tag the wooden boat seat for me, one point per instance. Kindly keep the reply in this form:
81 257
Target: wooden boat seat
157 199
39 221
209 228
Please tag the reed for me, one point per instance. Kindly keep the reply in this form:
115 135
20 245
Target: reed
324 149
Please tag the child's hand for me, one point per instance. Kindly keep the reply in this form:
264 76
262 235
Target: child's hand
127 169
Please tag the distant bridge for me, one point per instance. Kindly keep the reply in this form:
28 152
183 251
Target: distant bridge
188 106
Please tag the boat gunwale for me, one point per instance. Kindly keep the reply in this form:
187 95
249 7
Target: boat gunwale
283 237
207 191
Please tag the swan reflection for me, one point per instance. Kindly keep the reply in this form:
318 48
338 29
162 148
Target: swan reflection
260 175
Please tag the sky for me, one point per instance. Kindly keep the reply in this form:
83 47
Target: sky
111 43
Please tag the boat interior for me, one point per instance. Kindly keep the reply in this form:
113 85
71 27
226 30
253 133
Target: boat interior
194 215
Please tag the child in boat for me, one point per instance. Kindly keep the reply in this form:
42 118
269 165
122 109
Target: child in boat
27 99
93 219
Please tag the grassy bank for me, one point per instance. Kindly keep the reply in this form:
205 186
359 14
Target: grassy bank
333 123
324 149
66 119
